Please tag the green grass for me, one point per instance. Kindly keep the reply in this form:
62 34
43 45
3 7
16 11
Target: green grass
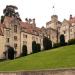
63 57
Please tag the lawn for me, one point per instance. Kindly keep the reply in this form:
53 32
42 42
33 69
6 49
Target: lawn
63 57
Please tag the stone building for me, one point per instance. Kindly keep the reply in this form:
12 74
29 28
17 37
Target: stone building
16 33
55 28
68 28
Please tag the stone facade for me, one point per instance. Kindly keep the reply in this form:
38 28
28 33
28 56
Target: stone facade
53 29
68 28
15 33
56 28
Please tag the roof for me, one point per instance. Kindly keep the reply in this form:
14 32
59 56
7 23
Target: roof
29 28
51 22
48 23
72 20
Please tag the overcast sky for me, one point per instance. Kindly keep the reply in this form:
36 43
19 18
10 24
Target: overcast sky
41 10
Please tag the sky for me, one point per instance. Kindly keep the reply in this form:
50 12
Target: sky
41 10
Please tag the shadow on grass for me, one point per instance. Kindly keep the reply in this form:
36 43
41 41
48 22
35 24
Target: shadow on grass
1 60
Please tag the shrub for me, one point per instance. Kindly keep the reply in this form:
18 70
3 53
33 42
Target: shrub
34 47
24 50
38 47
71 41
47 43
56 45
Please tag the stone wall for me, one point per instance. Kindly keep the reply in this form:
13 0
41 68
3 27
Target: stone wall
42 72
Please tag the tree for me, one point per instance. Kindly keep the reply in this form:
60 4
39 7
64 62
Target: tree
71 41
2 19
24 50
17 16
38 47
34 47
9 10
62 40
56 45
47 44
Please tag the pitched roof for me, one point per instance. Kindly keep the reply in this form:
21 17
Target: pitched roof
29 28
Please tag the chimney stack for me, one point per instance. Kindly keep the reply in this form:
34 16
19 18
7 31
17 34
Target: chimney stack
26 19
34 24
34 20
30 20
70 16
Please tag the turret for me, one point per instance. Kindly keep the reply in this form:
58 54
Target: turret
54 18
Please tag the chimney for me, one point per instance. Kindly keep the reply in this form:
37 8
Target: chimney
34 20
70 16
34 24
30 20
26 19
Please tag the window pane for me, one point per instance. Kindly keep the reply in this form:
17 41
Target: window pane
15 28
7 40
15 37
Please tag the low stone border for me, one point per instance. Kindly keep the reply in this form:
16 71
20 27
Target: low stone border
42 72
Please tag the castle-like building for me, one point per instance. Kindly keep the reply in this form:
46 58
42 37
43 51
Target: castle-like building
15 33
56 28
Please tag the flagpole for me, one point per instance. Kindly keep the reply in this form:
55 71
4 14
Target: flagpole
53 10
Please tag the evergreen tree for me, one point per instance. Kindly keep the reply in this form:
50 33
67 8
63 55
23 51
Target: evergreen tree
47 43
24 50
38 47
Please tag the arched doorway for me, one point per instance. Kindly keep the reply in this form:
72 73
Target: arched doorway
9 53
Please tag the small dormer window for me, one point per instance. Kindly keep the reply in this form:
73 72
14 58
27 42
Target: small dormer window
15 28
